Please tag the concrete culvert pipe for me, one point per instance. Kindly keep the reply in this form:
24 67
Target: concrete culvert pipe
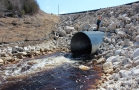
86 42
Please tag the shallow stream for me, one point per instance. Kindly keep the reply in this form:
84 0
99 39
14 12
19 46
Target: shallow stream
58 71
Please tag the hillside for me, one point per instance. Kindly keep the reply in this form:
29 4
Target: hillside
28 27
23 20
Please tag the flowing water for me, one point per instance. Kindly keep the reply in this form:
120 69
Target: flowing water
52 72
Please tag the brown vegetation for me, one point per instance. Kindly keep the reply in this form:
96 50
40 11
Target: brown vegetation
28 27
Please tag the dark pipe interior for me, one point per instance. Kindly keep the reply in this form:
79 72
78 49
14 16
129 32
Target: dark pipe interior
80 44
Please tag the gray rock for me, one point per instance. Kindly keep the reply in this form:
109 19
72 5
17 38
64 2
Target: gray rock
135 72
103 29
62 33
127 61
115 59
135 53
137 38
93 27
136 44
116 77
127 26
86 27
120 33
69 29
112 27
126 42
118 52
136 63
125 73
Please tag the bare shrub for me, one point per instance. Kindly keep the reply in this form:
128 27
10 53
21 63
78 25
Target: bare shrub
19 6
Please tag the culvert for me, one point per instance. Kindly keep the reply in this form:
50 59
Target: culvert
86 42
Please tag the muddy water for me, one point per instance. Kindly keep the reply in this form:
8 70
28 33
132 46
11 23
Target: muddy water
54 72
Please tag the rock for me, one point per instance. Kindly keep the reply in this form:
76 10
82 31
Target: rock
135 72
123 53
15 49
138 30
4 54
25 49
120 33
136 63
136 58
136 44
1 61
127 26
69 29
117 70
93 27
101 60
20 56
83 67
126 42
117 64
37 53
116 77
42 50
31 48
9 49
127 66
74 32
127 61
86 27
112 59
135 53
108 67
62 33
32 62
103 29
112 27
125 73
117 52
21 53
9 59
137 38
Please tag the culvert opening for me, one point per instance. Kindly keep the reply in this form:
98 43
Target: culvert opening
80 44
86 43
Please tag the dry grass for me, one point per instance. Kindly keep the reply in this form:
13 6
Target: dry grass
31 27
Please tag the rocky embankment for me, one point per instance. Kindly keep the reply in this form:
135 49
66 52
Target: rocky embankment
119 51
120 48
